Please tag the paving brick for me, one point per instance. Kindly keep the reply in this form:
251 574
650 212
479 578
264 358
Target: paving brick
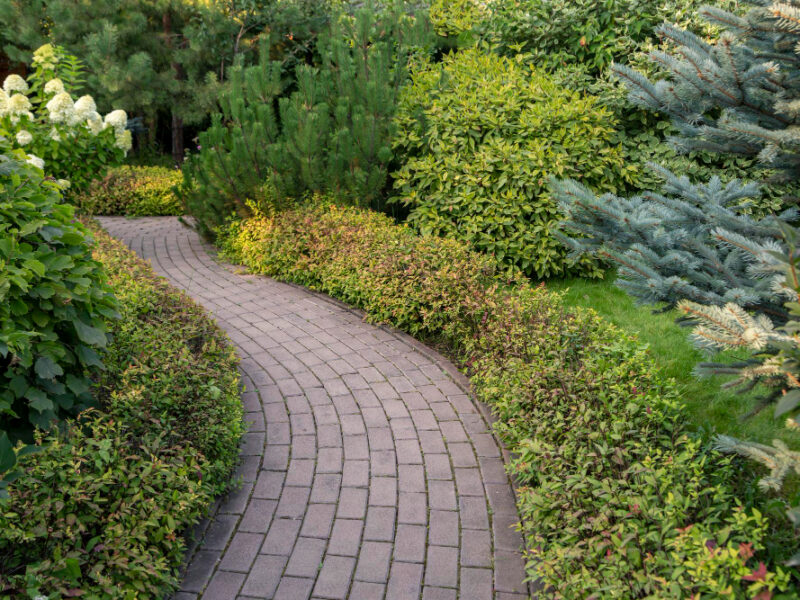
476 584
306 558
281 537
379 523
442 495
294 588
412 508
352 503
318 520
293 502
437 593
476 548
263 579
444 528
199 571
269 485
241 552
383 491
326 487
224 585
346 537
355 473
442 566
334 578
473 512
219 532
409 544
405 581
373 562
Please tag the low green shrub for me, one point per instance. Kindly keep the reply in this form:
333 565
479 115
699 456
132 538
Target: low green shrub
481 133
100 510
589 33
619 501
53 303
133 191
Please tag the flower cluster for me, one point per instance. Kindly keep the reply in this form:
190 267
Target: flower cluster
42 116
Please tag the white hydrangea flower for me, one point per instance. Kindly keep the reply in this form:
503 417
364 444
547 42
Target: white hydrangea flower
24 137
3 103
117 119
84 107
14 83
19 104
54 86
35 161
124 140
63 184
45 56
95 123
61 108
54 135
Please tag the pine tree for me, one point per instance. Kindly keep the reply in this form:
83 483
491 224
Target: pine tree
739 95
693 241
332 134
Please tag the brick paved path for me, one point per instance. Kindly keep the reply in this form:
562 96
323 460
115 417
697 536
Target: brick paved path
368 471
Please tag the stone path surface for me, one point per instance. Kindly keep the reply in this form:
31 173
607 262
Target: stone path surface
368 472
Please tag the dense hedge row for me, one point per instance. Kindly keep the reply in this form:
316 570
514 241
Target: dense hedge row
100 509
133 191
619 501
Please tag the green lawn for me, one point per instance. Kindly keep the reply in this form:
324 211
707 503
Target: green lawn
709 407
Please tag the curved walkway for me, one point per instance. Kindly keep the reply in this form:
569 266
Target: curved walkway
368 471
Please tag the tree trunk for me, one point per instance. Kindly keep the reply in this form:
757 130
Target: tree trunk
177 121
177 139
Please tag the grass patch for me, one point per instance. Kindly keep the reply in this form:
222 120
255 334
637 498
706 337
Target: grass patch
709 407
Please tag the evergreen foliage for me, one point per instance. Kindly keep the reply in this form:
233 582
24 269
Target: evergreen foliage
333 133
740 95
693 241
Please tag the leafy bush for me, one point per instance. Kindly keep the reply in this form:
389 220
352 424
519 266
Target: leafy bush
481 134
133 191
54 303
451 18
100 510
584 32
333 133
67 138
620 501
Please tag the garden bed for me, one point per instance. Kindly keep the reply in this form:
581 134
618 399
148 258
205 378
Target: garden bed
101 508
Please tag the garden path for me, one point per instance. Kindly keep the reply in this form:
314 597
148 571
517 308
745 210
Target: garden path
368 471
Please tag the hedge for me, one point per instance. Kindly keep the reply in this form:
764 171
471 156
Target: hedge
618 500
100 509
134 192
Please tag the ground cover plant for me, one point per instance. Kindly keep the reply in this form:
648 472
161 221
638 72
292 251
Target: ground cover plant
133 191
617 498
99 510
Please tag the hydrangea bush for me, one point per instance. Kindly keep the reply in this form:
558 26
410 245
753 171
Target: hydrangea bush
68 138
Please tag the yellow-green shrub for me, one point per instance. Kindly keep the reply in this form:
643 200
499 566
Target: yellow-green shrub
133 191
450 18
618 500
481 133
100 510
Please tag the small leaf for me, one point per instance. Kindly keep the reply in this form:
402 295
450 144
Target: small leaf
7 456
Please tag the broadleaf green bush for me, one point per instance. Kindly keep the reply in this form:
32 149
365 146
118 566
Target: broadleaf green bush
133 191
54 303
619 500
100 510
480 134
